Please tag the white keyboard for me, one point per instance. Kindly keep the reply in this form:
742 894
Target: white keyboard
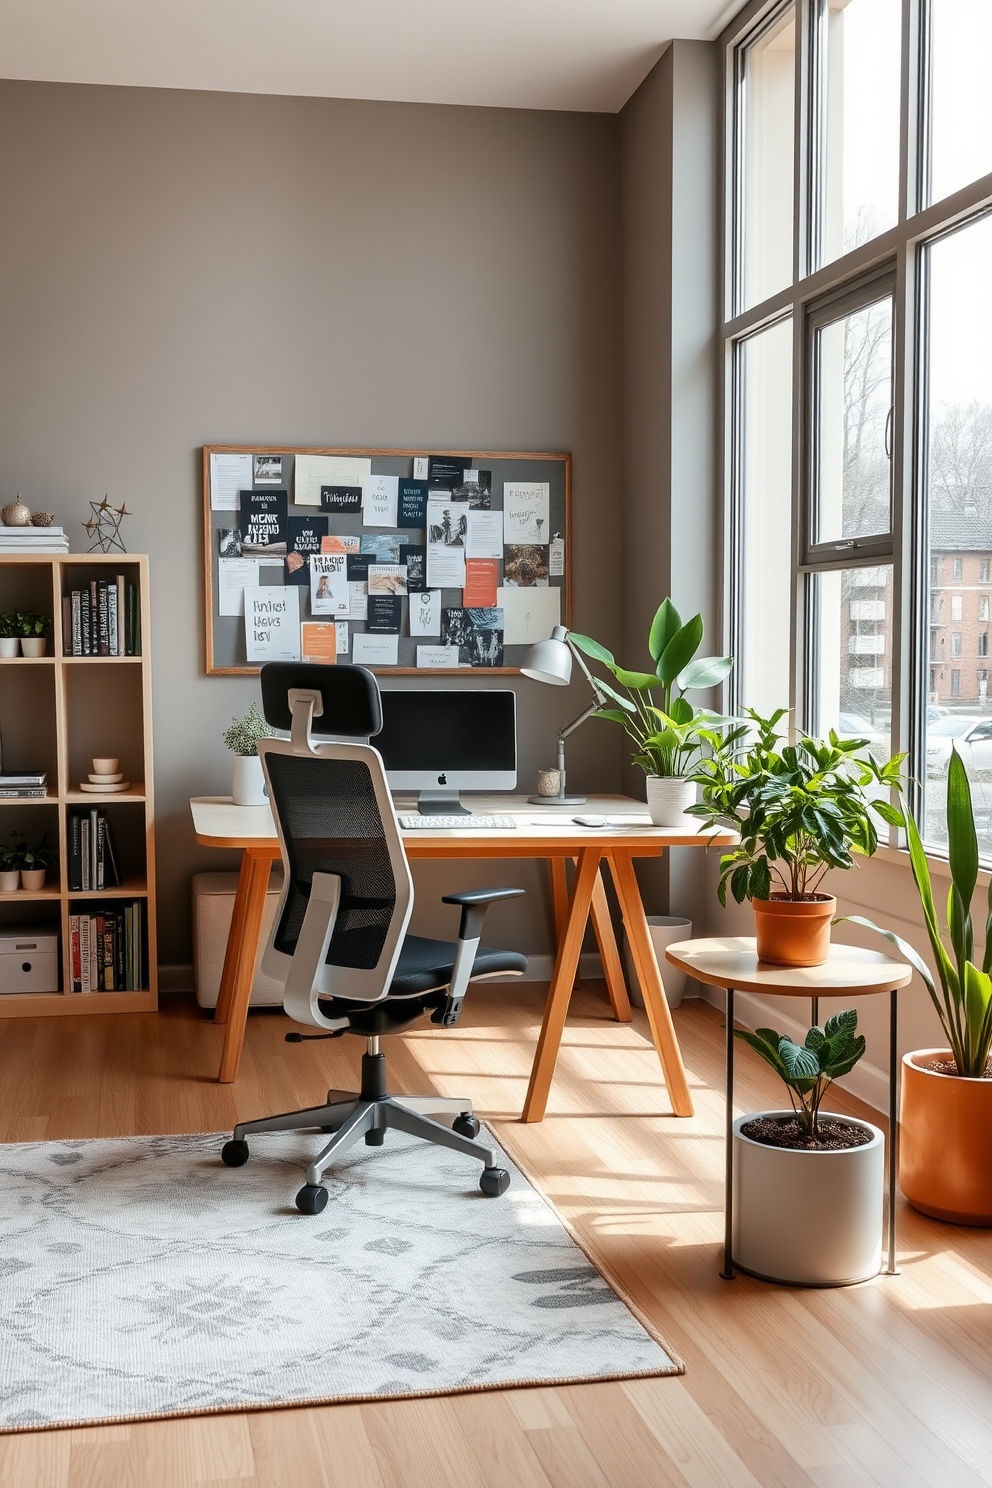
454 823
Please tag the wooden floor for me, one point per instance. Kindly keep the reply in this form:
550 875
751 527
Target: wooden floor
888 1383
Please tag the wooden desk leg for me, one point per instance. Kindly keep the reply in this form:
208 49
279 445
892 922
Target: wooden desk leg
234 1034
608 953
235 940
566 960
559 890
649 976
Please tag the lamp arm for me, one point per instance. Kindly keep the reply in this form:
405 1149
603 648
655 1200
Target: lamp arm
593 683
570 728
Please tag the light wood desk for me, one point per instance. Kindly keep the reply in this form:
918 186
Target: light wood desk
543 832
732 962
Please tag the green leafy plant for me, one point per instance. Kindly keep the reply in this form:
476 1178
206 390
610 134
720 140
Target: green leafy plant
808 1068
964 1001
10 861
8 625
32 626
668 731
18 856
799 809
243 734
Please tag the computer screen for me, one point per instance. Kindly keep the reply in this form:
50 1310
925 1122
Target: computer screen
441 741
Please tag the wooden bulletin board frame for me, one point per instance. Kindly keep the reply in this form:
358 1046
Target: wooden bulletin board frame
529 465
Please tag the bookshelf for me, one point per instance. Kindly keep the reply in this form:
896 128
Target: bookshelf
57 712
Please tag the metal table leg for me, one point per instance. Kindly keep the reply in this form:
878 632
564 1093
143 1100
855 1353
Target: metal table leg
816 1011
728 1197
892 1269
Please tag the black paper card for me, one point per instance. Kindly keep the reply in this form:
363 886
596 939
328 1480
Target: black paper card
358 567
304 538
341 498
415 558
412 503
263 521
385 614
445 471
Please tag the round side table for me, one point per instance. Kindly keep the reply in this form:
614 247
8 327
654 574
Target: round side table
731 962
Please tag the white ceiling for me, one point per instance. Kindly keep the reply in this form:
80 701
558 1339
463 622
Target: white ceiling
546 54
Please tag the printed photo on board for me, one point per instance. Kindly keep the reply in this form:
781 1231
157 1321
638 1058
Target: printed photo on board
263 521
268 470
525 566
478 634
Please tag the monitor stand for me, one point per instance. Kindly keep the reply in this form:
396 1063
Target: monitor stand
441 803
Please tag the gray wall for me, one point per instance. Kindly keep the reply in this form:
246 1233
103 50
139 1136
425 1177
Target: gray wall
182 268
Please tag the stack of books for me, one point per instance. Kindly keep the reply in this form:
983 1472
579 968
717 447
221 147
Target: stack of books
106 948
93 860
32 786
33 540
102 619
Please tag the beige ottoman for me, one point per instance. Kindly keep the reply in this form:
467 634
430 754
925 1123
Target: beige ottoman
213 910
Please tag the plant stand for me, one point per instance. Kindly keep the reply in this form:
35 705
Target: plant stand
732 963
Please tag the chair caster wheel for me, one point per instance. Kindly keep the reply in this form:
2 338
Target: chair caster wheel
311 1199
234 1154
466 1126
494 1181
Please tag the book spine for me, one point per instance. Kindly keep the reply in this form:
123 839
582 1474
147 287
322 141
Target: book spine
75 853
74 961
120 965
103 618
101 849
131 612
94 956
23 793
107 938
112 868
84 619
119 602
85 979
94 607
66 625
112 618
94 844
77 625
84 853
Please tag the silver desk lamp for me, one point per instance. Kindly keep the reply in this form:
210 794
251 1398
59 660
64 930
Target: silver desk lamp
551 661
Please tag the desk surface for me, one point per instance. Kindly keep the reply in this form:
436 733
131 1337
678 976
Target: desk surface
731 961
543 831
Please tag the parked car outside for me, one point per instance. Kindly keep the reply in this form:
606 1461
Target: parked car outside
961 729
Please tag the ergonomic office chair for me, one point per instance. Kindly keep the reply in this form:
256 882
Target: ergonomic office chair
339 940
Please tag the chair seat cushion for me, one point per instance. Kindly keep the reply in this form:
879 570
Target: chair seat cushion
425 965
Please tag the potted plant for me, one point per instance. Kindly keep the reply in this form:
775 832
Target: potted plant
9 634
945 1121
33 631
10 869
669 733
800 809
808 1185
32 862
241 737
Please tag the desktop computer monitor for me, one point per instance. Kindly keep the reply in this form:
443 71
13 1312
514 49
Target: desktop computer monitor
439 742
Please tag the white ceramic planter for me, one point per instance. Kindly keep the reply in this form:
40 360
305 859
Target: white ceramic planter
248 784
9 646
808 1218
33 645
668 797
33 879
10 882
665 930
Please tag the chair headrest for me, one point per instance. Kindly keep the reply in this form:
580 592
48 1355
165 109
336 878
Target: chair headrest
350 697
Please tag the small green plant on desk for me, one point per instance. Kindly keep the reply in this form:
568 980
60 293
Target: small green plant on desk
808 1068
242 734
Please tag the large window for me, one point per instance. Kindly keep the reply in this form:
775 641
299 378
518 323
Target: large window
860 229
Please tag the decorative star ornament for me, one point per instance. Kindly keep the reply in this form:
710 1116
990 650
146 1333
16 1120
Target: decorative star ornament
104 526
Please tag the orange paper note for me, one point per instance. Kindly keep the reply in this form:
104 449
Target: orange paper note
319 642
481 579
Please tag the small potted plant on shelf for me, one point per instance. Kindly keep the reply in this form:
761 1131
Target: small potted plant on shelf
808 1185
10 865
945 1121
800 810
33 631
241 737
668 732
33 862
9 634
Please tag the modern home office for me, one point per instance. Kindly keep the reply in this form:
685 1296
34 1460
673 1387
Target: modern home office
494 583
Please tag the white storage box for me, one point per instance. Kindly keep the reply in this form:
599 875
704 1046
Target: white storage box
213 910
29 961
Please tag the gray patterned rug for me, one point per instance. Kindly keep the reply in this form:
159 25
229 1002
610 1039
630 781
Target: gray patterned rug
139 1277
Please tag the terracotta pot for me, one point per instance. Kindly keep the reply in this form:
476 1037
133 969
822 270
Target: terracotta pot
32 878
793 932
945 1142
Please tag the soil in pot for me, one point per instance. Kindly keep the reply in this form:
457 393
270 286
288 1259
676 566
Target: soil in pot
793 932
834 1134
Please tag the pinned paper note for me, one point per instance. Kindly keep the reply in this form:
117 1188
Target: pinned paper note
387 578
478 634
421 465
341 499
379 499
358 600
529 615
425 613
484 535
429 657
319 642
414 557
525 565
314 471
229 476
375 650
526 512
344 642
481 579
556 556
412 503
447 524
329 584
385 614
234 576
272 624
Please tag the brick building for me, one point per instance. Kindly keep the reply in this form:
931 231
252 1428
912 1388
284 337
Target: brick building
960 609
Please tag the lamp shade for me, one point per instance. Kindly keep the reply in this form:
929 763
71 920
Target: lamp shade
550 660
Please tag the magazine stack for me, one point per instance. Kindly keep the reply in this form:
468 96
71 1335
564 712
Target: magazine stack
33 540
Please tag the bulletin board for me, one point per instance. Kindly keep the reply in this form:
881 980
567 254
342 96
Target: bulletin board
446 560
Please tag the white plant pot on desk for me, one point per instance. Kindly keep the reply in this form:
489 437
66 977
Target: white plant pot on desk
808 1218
10 881
33 645
668 798
248 785
10 646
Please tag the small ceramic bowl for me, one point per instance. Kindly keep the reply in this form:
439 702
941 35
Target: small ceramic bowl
105 766
106 779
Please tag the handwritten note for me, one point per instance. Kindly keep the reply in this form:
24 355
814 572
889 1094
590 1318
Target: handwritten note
272 624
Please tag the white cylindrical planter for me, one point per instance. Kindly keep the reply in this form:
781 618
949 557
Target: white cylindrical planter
33 645
9 646
665 931
808 1218
668 797
248 785
33 879
10 881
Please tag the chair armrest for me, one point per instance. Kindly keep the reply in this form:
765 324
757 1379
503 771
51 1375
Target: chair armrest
474 903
